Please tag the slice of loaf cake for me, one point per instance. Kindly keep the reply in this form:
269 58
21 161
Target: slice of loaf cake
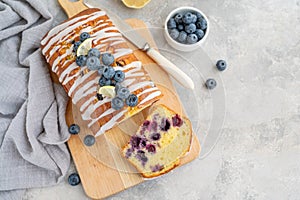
159 143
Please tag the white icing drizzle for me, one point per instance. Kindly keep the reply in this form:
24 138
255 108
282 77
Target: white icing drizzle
80 80
62 26
68 29
85 104
148 90
113 39
106 36
151 96
86 114
67 71
122 52
117 42
107 112
139 85
110 123
83 91
87 29
100 103
128 81
68 78
136 74
133 65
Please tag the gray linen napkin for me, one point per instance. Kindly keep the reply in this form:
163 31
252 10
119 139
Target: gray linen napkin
32 108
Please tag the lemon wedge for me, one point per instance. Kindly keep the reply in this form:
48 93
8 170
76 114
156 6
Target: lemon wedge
135 3
108 91
84 47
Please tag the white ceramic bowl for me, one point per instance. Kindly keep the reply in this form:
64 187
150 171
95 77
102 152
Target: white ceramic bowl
180 46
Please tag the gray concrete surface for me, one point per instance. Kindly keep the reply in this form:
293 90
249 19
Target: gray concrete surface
258 154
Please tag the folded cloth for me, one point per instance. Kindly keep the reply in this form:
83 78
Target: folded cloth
33 130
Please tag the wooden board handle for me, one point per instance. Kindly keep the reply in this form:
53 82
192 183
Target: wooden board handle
172 69
72 8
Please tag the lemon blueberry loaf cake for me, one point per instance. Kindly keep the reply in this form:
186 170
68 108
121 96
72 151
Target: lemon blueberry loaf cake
98 70
159 143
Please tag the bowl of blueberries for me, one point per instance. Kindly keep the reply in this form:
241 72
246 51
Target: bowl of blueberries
186 28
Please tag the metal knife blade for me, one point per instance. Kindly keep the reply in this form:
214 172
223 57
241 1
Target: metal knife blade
135 38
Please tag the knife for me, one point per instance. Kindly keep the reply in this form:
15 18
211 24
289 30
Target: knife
135 38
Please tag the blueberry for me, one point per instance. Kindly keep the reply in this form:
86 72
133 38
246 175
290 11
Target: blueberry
171 23
187 18
117 103
141 156
76 45
182 37
135 142
74 129
94 52
174 33
201 23
119 76
211 83
194 18
108 82
93 63
89 140
199 34
99 97
112 82
84 36
153 126
155 136
140 152
190 28
156 168
132 100
81 60
151 148
108 59
146 123
221 65
102 81
198 15
123 93
108 72
192 38
177 121
74 179
117 87
178 18
128 153
180 27
143 142
101 69
165 124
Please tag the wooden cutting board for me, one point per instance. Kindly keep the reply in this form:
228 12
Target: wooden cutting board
102 169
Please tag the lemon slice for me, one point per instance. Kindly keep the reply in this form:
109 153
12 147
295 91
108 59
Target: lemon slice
135 3
84 47
108 91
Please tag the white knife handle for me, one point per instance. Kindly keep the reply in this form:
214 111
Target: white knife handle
172 69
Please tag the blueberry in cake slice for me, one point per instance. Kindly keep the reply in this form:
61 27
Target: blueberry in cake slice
160 142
